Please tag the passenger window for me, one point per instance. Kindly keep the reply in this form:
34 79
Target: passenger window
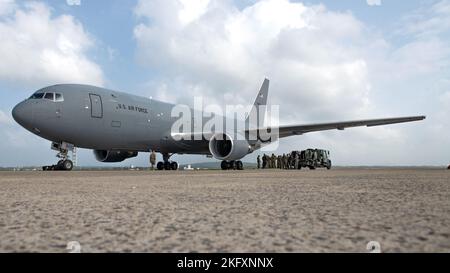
49 96
37 96
59 97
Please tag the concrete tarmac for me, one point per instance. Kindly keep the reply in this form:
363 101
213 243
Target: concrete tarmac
341 210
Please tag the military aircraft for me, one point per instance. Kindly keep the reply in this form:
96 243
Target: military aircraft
118 125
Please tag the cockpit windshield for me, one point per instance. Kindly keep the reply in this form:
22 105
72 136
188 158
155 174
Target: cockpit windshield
37 96
51 96
58 97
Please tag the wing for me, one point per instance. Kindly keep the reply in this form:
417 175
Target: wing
291 130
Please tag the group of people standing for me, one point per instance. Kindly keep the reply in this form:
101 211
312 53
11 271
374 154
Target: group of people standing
285 161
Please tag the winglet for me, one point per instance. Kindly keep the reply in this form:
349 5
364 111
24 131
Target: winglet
261 100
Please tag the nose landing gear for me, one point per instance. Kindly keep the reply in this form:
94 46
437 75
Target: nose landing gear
64 164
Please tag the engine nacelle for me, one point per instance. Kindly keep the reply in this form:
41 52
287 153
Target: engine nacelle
113 156
224 147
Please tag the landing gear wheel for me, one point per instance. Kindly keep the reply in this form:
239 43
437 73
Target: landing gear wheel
225 165
174 166
59 166
167 166
160 166
239 165
66 165
232 165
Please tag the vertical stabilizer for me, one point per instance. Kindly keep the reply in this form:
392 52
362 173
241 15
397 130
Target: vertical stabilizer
259 107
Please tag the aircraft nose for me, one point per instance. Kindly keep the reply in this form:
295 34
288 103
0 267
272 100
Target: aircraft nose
22 114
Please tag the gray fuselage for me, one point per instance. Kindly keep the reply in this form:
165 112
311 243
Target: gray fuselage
100 119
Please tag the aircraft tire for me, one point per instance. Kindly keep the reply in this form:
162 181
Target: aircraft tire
67 165
174 166
225 165
239 165
232 165
59 166
167 166
160 166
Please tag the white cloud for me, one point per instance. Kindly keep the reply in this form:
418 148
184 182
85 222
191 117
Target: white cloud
445 98
226 52
7 6
374 2
427 21
192 10
38 48
5 119
73 2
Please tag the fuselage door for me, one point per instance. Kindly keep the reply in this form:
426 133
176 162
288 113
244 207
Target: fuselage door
96 106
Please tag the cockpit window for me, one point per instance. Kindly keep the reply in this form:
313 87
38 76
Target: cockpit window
49 96
56 97
59 97
37 96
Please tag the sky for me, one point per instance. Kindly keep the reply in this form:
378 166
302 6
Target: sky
327 61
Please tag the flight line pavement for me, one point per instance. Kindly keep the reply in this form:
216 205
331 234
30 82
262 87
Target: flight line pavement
341 210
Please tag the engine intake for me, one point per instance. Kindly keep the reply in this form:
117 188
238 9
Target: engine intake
113 156
224 147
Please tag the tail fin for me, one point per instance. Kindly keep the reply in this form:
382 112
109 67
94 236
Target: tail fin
261 100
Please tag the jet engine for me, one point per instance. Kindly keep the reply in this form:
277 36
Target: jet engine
224 147
113 156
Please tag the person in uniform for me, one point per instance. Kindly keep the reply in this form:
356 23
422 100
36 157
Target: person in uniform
264 161
274 161
283 159
296 161
153 159
279 161
258 161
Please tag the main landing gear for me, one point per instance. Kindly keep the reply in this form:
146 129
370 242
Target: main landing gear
232 165
64 164
166 164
